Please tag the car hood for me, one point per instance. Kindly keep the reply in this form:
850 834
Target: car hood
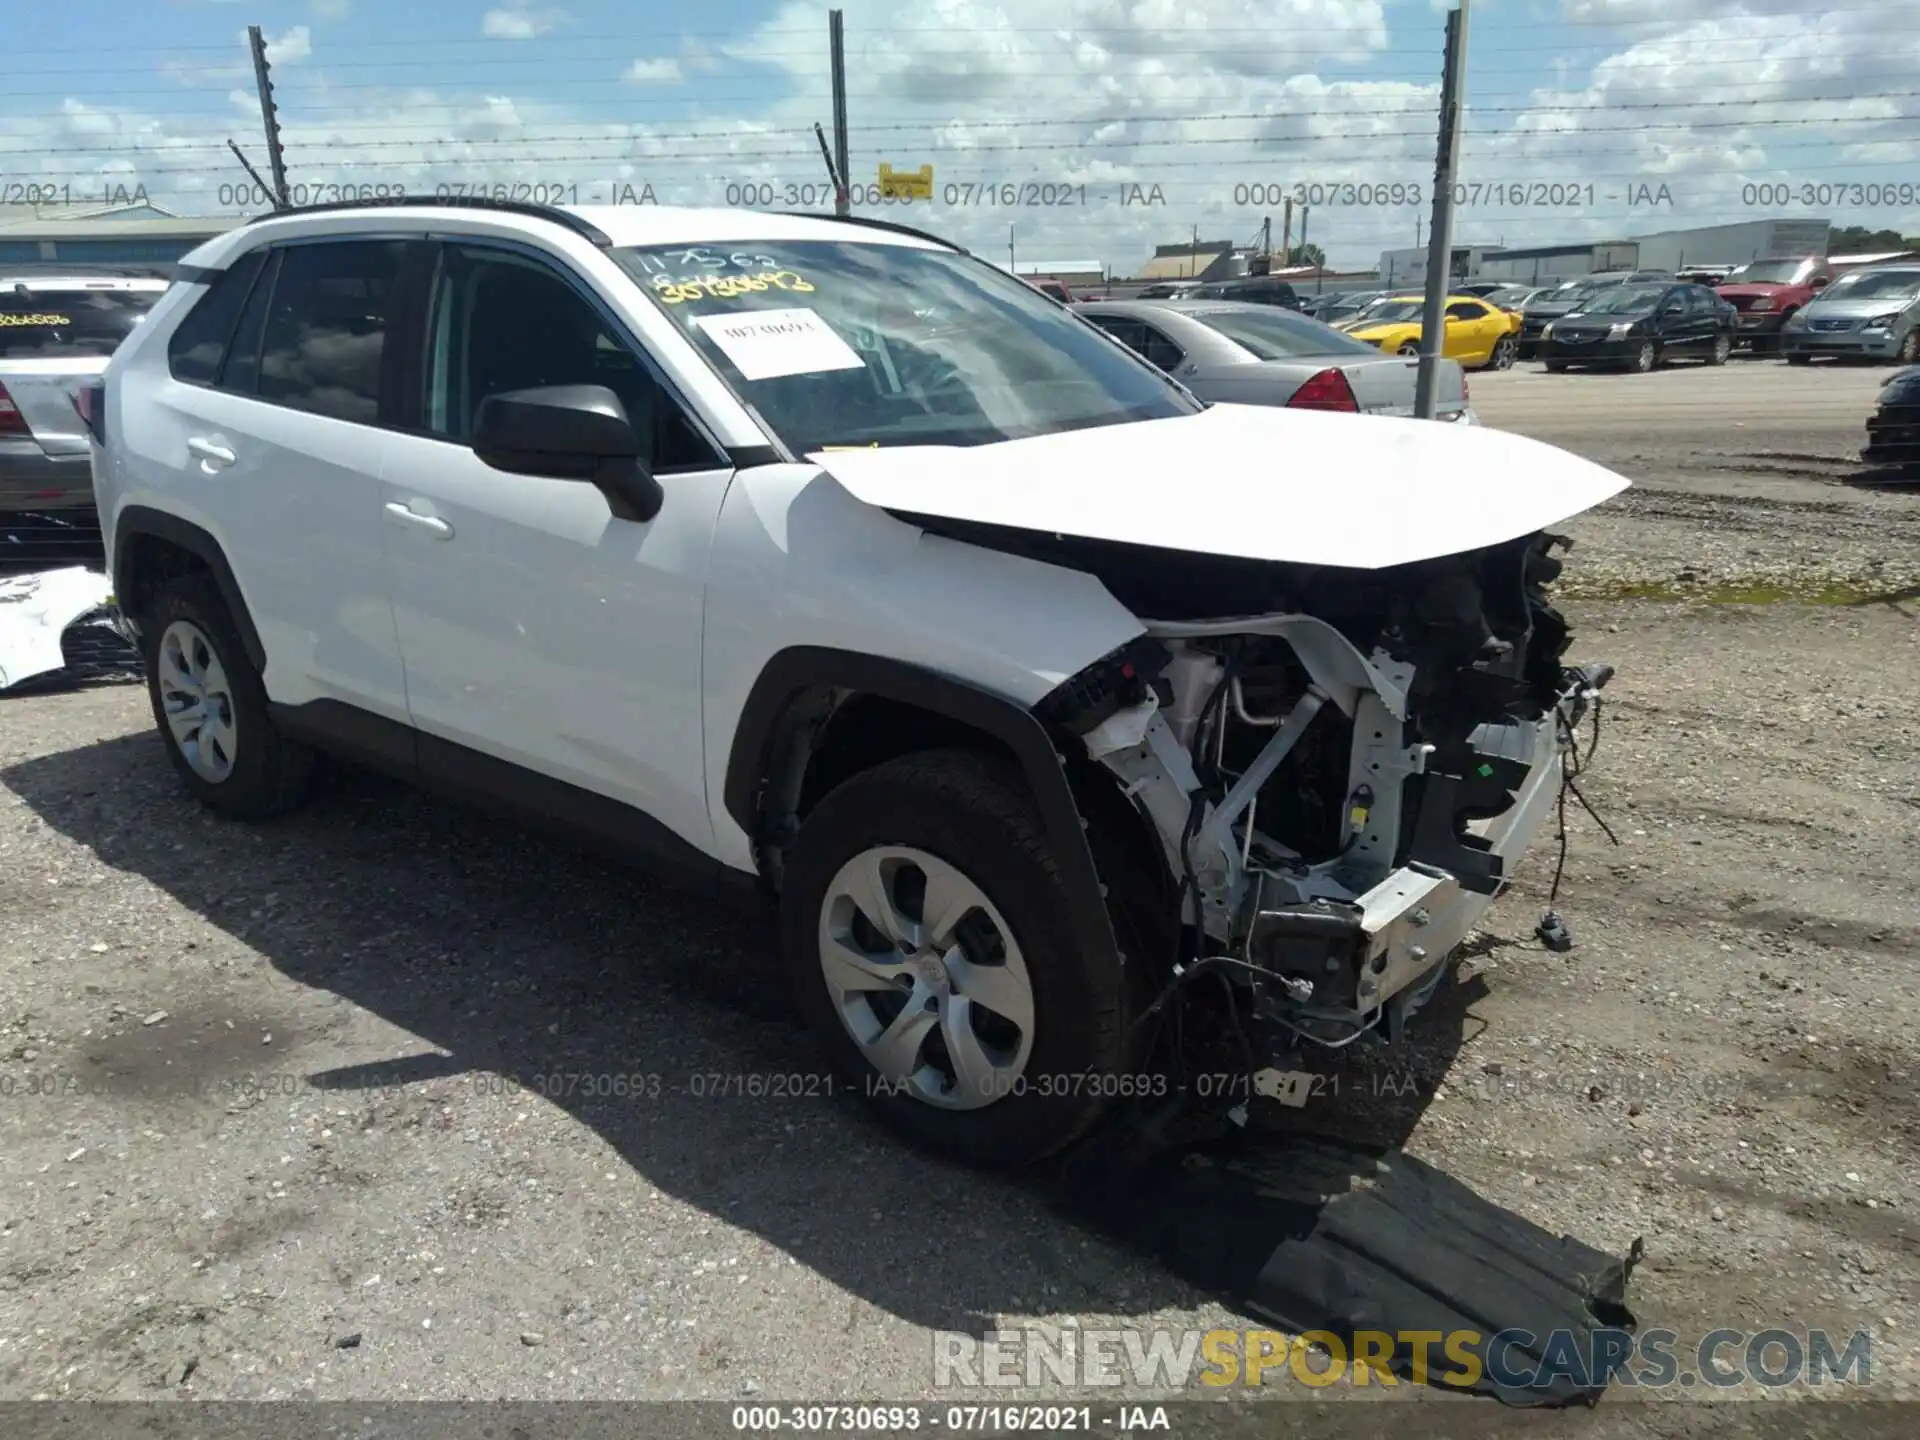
1253 482
1744 292
1848 308
1551 310
1373 330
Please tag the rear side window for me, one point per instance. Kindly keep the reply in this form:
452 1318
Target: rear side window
240 372
200 340
326 327
68 324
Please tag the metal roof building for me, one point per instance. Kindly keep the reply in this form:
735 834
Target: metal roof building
103 235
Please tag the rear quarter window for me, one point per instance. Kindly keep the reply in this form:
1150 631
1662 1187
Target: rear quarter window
69 324
199 341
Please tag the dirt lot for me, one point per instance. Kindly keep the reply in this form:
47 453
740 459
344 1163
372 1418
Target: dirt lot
306 1139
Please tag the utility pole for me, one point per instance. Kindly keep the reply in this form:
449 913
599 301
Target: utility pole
269 118
1010 268
1433 317
1266 240
1318 270
1193 254
1286 234
836 38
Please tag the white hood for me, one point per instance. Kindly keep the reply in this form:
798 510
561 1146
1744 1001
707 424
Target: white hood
1262 483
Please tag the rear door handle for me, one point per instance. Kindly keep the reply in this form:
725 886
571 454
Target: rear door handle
399 514
215 457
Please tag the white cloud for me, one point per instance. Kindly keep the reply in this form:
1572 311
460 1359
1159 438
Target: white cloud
1224 105
519 23
664 70
295 45
330 9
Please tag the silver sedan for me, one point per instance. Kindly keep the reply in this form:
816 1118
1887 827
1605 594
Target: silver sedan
1264 355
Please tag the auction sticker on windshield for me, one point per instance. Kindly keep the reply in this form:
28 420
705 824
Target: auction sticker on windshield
767 344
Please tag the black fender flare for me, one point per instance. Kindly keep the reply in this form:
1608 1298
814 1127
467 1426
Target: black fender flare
137 520
792 671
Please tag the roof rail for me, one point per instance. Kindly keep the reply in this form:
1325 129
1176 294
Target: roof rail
583 228
874 224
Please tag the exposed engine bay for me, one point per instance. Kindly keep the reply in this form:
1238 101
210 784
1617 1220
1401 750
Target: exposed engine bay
1340 777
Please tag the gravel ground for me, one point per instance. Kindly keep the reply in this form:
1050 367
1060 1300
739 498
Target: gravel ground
307 1178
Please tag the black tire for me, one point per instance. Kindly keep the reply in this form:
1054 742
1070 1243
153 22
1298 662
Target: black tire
1909 350
1722 348
1503 354
270 773
970 812
1408 351
1799 357
1556 367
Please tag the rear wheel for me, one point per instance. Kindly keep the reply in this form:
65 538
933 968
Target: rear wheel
926 946
1411 350
1722 348
1505 350
1909 350
1557 366
211 706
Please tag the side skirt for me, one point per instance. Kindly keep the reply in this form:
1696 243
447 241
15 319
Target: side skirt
514 792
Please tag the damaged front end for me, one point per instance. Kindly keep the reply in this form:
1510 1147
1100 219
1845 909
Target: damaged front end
1340 781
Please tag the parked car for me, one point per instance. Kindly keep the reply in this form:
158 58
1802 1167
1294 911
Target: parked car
1767 293
1708 275
1872 314
1640 327
1541 310
58 326
1055 290
830 564
1507 294
1167 290
1254 290
1347 306
1893 430
1265 355
1478 335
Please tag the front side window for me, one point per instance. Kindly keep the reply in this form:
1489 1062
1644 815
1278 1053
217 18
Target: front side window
503 322
326 328
836 343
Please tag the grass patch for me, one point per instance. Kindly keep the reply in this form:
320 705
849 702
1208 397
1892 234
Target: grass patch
1732 592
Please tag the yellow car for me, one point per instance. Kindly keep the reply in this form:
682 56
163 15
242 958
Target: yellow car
1480 336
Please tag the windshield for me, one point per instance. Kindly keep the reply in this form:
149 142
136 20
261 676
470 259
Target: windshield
838 343
1392 312
1623 299
1875 285
1568 293
1273 334
1766 272
65 322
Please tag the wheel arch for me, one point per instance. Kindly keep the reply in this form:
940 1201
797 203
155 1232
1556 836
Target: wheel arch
151 546
816 716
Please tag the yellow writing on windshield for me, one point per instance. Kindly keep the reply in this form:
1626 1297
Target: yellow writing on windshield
8 319
726 287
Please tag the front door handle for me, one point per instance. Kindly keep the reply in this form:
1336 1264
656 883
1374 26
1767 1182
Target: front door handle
399 514
212 456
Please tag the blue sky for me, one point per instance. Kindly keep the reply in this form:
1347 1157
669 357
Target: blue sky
1586 118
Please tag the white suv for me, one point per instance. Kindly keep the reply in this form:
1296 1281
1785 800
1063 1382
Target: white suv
826 561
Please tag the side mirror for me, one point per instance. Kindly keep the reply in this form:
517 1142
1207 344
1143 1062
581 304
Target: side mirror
569 432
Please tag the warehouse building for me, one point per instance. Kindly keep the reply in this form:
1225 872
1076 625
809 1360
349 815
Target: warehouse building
1662 250
1068 272
1401 268
140 234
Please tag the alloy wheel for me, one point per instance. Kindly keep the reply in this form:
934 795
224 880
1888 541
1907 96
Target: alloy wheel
1503 353
1643 360
925 975
198 701
1910 346
1722 348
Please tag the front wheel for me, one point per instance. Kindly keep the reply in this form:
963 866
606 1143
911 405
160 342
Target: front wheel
1909 350
925 941
1556 367
1644 359
1799 357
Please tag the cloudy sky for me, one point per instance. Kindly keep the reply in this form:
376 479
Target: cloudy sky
1070 129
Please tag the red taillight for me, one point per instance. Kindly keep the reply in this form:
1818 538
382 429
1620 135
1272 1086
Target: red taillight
12 422
1326 391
